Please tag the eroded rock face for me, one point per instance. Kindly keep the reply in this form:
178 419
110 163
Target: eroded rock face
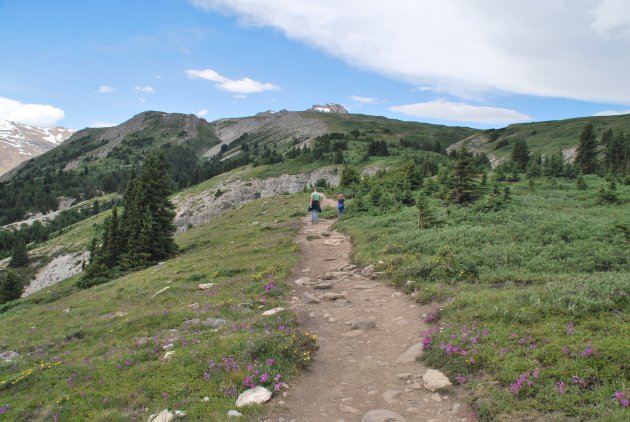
202 207
60 268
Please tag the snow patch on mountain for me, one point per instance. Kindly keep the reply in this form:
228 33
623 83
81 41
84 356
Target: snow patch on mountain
329 108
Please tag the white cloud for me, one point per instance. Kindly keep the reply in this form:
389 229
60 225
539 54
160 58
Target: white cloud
241 86
148 89
423 88
555 48
365 100
30 114
201 113
103 124
445 110
105 89
239 96
612 113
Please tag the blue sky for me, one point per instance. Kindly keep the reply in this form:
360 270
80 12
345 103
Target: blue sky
480 63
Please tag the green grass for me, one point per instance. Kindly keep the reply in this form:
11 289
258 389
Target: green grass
97 354
551 258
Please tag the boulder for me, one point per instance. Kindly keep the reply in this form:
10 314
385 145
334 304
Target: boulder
213 322
382 415
367 271
362 324
273 311
303 281
163 416
411 355
205 286
323 285
435 380
310 299
8 356
333 296
257 395
234 414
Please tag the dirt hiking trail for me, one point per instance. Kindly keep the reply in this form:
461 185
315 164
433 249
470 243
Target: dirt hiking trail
369 336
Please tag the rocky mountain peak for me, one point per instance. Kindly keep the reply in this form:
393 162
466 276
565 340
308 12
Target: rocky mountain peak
329 108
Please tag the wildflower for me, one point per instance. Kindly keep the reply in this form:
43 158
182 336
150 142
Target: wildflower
270 362
520 382
570 328
503 351
622 398
4 408
461 379
561 387
264 377
566 350
229 391
587 352
277 386
206 376
535 374
426 342
165 395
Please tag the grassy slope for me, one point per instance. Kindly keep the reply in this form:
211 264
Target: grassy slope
552 257
553 136
104 367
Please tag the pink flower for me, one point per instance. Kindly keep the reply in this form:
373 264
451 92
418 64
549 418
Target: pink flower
264 377
277 386
622 398
561 387
270 362
461 379
570 328
587 352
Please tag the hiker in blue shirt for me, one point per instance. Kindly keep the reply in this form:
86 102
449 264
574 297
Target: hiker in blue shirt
315 207
340 205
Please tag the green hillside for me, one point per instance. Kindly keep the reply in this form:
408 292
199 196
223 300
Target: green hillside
544 137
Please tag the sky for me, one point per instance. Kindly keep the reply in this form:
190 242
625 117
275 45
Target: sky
477 63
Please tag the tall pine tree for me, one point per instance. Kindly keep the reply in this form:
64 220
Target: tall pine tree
520 154
586 157
11 287
20 254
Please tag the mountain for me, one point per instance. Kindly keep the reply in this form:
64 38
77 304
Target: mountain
329 108
541 137
19 142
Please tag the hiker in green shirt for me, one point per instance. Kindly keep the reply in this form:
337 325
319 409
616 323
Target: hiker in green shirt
315 207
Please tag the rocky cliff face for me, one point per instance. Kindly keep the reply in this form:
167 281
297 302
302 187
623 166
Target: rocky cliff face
329 108
199 208
19 142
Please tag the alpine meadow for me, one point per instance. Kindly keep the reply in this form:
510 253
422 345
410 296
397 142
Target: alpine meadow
470 261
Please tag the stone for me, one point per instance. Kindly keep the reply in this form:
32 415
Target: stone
303 281
379 274
8 356
257 395
349 409
404 376
168 346
163 416
362 324
120 314
391 395
168 355
367 271
180 414
234 414
323 285
273 311
436 397
310 299
205 286
435 380
193 306
194 322
213 322
411 355
347 267
206 398
67 311
416 386
333 296
456 408
333 242
382 415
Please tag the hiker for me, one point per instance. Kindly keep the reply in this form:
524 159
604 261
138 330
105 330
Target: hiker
315 207
340 205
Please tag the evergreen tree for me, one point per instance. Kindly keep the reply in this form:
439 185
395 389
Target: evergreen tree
586 158
11 287
349 176
426 217
338 157
20 254
461 180
520 154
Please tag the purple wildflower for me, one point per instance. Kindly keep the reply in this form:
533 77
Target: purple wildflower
277 386
570 328
566 350
587 352
264 377
461 379
270 362
4 408
536 371
503 351
206 376
622 398
561 387
426 342
230 391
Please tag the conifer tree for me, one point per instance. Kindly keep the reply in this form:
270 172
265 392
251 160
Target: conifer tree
462 183
11 287
520 154
20 254
349 176
426 217
586 158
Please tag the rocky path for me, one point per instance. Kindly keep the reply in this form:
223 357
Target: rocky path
369 336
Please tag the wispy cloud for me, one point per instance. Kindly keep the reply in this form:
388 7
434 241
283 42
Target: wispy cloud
202 112
240 86
461 112
612 113
365 100
30 114
105 89
103 124
423 88
465 48
147 89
